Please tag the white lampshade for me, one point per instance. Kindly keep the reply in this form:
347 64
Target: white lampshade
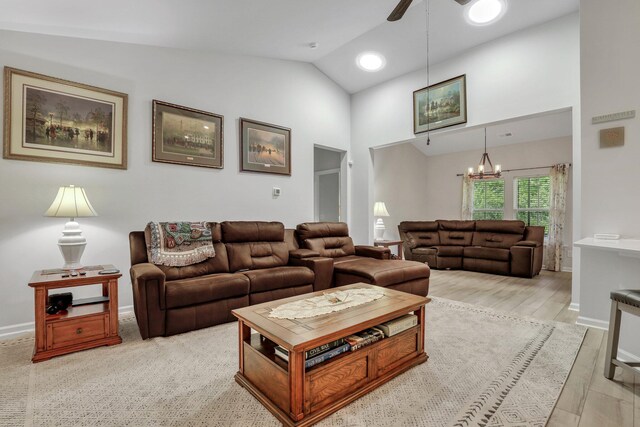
71 202
379 209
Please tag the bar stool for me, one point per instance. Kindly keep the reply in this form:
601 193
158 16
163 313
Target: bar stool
627 300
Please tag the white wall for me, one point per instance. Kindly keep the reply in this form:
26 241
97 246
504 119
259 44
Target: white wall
532 71
609 60
431 190
290 94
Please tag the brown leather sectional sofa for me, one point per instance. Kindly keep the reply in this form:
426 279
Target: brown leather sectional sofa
257 262
505 247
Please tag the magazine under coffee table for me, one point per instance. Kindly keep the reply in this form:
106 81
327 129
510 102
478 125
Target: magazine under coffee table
299 397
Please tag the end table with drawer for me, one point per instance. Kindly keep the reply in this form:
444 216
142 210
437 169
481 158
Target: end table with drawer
87 323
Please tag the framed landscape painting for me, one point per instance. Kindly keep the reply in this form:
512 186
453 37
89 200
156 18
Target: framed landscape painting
440 105
265 147
49 119
187 136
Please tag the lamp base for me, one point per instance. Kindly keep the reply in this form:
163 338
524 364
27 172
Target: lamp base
378 229
72 244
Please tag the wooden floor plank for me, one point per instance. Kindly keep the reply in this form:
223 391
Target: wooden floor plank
576 388
602 410
561 418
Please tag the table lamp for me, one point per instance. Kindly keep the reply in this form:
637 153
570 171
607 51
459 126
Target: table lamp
71 202
379 210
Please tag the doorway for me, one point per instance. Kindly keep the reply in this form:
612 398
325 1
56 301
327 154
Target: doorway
329 184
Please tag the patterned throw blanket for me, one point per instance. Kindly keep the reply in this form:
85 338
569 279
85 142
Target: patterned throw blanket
177 244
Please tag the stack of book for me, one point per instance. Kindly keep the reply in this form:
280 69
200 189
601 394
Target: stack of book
353 342
364 338
318 354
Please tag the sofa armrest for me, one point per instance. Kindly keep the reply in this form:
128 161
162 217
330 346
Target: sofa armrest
528 243
303 253
322 269
526 261
148 283
377 252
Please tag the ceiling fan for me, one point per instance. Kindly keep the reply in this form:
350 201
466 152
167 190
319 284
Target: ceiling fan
402 7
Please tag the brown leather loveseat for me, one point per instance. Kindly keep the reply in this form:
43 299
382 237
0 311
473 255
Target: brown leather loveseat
489 246
368 264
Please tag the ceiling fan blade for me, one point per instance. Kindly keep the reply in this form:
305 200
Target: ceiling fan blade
399 11
462 2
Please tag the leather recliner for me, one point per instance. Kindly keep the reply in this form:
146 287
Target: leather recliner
368 264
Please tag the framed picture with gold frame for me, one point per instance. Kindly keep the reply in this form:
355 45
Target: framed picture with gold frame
265 147
48 119
187 136
440 105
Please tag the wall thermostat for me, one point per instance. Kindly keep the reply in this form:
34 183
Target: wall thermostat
276 191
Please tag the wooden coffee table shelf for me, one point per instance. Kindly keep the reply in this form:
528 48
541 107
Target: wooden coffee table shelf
299 397
80 327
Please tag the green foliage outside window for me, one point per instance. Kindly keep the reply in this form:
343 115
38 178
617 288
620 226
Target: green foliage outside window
488 199
533 196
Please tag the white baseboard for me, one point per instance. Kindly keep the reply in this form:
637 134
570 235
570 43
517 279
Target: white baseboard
628 357
566 269
592 323
574 306
12 331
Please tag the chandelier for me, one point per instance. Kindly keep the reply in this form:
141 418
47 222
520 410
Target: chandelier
485 171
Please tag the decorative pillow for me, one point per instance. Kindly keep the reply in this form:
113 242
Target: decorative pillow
178 244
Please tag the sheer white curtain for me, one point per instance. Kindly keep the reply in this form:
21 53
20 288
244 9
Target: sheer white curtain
559 178
467 197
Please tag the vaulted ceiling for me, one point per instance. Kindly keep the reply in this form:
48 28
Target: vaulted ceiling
284 29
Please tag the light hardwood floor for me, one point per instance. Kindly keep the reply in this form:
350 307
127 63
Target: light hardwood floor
588 398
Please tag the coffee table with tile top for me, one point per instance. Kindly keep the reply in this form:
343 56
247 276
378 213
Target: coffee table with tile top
299 397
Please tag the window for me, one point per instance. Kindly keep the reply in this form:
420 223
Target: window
488 199
531 200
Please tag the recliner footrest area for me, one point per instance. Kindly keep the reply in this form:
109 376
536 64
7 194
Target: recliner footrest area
381 272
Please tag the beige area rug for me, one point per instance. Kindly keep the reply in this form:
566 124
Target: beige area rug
485 368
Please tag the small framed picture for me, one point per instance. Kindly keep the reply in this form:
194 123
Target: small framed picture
48 119
187 136
265 147
440 105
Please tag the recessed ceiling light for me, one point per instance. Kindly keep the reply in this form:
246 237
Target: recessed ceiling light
485 12
370 61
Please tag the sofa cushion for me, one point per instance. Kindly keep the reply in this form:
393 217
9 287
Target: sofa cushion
406 226
383 272
217 264
495 240
502 226
486 253
416 239
252 231
203 289
456 233
257 255
449 250
346 258
424 251
331 247
269 279
310 230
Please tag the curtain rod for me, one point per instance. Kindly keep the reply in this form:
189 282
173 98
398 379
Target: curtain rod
522 169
